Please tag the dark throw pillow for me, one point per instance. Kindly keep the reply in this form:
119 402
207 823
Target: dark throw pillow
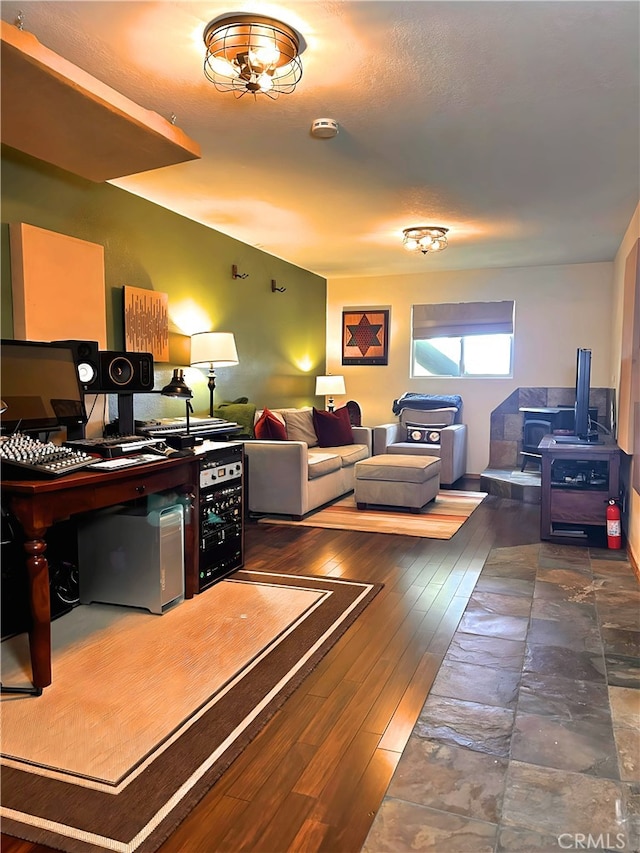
333 428
421 434
268 426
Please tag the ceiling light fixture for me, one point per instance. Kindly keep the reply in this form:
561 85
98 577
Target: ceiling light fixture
252 54
425 238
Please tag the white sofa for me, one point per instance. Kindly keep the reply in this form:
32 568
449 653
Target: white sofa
293 477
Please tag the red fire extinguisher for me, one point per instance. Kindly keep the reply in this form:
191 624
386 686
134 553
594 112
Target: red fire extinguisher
614 531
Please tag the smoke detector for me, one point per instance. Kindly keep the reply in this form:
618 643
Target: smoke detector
324 128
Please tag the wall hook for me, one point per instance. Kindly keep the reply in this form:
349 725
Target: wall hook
236 274
275 289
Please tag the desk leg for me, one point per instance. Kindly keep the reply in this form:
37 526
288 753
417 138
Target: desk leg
40 633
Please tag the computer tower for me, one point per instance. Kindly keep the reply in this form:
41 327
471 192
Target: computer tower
133 557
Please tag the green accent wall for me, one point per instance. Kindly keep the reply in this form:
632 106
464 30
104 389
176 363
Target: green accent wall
280 336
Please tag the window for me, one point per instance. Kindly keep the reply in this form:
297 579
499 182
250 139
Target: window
462 339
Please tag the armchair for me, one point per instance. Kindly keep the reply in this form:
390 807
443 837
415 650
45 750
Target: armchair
433 432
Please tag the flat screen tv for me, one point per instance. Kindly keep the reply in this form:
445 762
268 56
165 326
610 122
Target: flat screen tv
583 386
40 388
583 434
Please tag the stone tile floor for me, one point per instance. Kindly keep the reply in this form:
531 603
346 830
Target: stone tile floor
529 739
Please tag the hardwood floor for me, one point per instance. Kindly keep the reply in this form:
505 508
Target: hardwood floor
314 777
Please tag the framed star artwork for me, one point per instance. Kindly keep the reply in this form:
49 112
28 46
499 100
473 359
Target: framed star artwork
365 336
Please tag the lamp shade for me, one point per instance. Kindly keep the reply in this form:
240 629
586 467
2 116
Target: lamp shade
177 387
213 349
329 385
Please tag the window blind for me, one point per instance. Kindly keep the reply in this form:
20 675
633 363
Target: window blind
456 319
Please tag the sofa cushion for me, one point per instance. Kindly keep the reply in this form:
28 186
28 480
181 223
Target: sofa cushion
414 448
349 454
333 428
319 464
269 426
441 417
299 424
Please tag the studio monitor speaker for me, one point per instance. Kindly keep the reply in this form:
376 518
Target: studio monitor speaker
85 355
125 372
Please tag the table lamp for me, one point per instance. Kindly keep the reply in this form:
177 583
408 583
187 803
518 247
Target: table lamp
179 388
327 386
213 349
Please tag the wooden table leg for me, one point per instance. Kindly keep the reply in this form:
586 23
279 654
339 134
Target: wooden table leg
40 601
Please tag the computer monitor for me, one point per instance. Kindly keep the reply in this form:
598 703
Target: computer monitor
40 388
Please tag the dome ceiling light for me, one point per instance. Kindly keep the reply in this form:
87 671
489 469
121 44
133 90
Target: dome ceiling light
425 238
252 54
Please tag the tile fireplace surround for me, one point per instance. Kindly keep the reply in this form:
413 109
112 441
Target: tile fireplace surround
506 420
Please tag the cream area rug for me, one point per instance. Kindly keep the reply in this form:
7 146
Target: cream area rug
439 519
145 712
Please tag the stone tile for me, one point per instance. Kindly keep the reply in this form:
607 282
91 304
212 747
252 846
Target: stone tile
611 583
616 564
553 556
570 579
486 651
491 602
553 802
566 634
553 660
620 641
579 566
610 595
477 684
625 707
450 779
503 454
513 427
583 616
628 746
564 698
504 585
578 745
490 625
516 839
408 828
617 615
632 815
551 590
622 671
497 486
483 728
532 398
512 559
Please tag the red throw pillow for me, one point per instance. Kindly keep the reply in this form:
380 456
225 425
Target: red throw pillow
333 428
268 426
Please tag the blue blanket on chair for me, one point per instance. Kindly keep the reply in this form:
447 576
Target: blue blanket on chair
426 401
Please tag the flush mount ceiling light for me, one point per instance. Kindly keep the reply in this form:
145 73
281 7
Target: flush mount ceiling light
425 238
252 54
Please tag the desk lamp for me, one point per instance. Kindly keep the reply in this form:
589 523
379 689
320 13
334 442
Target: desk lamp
213 349
179 388
328 386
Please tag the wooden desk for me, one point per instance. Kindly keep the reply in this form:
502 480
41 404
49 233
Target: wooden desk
39 504
576 505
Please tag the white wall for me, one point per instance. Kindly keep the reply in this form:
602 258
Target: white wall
558 308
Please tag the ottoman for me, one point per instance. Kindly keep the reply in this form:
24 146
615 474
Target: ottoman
396 480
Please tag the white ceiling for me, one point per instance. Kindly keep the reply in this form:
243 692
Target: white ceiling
514 124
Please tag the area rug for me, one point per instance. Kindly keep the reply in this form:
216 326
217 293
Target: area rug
440 519
145 712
